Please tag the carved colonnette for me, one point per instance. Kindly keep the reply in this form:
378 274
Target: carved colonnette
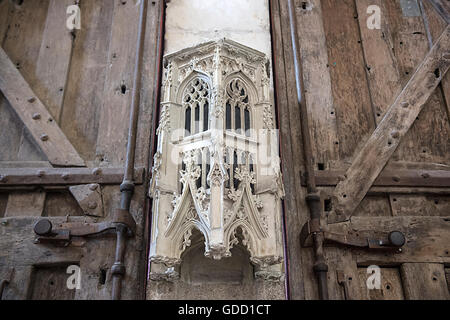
217 168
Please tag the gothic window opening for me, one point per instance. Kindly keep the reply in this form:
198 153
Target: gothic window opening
196 100
237 108
235 159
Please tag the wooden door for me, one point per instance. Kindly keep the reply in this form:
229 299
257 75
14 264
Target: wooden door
64 109
352 77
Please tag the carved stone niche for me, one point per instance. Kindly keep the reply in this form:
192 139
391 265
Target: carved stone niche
217 168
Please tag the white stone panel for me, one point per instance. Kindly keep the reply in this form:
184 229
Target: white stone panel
191 22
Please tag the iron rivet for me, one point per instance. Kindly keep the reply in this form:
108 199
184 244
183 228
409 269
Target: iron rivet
425 175
40 173
405 104
4 223
44 137
36 116
97 171
31 100
65 176
93 187
395 134
3 179
396 178
92 205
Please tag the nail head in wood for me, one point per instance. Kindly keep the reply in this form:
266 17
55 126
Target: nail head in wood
36 116
44 137
92 205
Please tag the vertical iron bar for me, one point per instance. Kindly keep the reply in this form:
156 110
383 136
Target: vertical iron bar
313 197
127 186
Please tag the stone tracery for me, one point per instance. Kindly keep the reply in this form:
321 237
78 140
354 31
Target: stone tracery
218 92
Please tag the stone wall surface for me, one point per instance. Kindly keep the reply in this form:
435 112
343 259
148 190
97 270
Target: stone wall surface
191 22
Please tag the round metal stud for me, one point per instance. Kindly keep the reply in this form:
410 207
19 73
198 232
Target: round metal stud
397 239
92 205
43 227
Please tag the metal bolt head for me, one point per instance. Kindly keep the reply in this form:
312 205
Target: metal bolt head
3 179
405 104
65 176
396 178
397 238
44 137
395 134
93 187
43 227
4 223
31 100
97 171
36 116
425 175
40 173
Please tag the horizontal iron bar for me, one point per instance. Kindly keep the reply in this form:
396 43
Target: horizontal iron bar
64 176
390 178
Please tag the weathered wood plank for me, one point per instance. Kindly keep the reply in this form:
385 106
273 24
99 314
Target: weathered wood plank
424 281
383 75
50 283
352 102
442 8
4 14
25 24
113 130
317 82
390 178
25 204
436 25
420 205
401 115
52 65
86 80
43 128
65 176
291 146
391 285
423 142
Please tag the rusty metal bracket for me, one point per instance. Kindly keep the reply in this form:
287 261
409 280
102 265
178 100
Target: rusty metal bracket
343 281
63 234
391 241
